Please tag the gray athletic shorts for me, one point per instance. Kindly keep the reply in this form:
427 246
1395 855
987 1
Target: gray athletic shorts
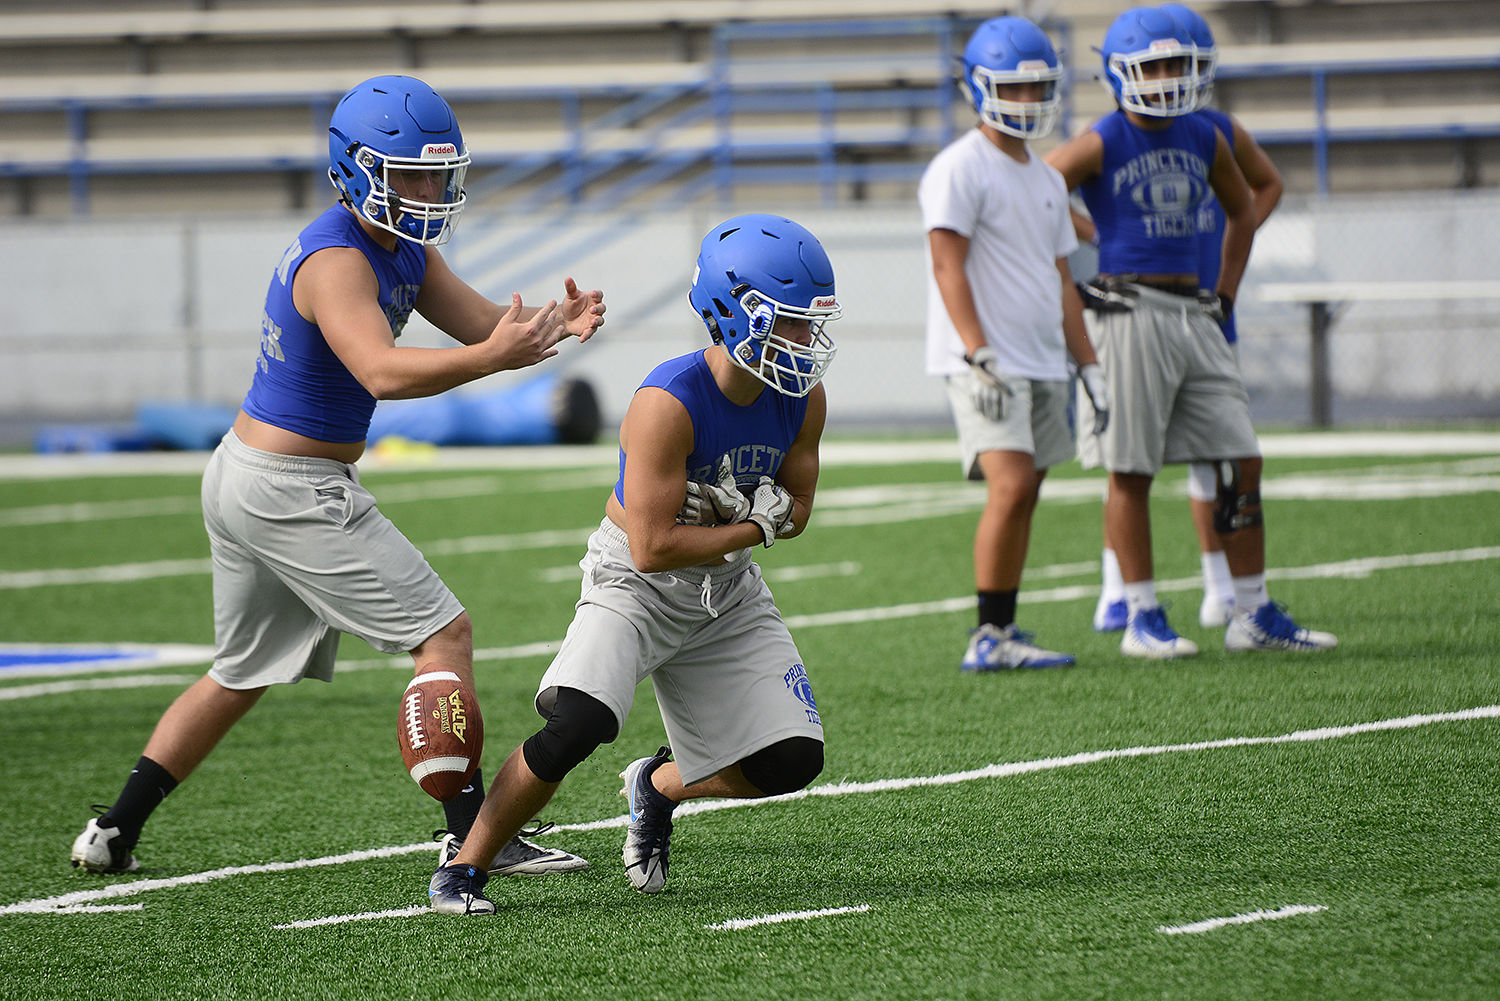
727 676
1175 389
300 555
1035 422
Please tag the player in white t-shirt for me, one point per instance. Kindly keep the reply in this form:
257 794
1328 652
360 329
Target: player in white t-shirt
1003 314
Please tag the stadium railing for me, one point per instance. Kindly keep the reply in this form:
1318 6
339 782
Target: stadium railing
828 105
740 115
1322 122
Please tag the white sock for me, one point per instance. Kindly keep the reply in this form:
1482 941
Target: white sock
1112 585
1250 592
1217 584
1140 596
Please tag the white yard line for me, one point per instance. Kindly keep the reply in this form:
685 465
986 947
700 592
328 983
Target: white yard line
397 493
1199 927
92 685
738 924
1353 569
1327 444
63 902
338 919
837 508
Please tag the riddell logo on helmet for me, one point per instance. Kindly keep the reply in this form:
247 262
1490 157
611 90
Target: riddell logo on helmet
825 302
439 149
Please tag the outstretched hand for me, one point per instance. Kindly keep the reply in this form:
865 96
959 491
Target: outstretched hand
518 343
582 314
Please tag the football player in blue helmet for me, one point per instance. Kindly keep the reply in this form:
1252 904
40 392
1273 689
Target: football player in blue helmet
1218 603
301 553
1012 50
1203 41
398 158
1151 63
1003 317
718 454
763 287
1146 173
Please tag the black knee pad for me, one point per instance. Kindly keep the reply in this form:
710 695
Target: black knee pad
785 766
1234 509
579 723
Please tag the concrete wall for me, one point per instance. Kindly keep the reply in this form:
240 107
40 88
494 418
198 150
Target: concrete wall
106 314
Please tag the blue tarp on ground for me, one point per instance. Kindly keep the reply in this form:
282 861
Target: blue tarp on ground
546 410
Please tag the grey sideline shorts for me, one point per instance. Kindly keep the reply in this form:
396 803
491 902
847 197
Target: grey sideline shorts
1035 421
1176 394
727 676
301 555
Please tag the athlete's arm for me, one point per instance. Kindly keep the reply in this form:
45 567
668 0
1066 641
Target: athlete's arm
657 436
799 467
1239 209
1079 159
1083 226
455 308
336 289
950 250
1075 333
1260 173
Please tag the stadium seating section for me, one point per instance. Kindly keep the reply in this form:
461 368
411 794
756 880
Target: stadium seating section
220 105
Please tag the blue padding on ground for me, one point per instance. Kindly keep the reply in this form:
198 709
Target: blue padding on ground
60 438
520 415
542 411
189 426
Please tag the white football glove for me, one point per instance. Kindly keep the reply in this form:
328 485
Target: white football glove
988 388
1092 377
771 509
718 503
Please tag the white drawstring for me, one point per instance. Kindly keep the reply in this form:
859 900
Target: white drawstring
705 596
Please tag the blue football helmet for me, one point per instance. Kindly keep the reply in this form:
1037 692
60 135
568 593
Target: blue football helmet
1203 40
758 280
1009 50
1147 35
397 125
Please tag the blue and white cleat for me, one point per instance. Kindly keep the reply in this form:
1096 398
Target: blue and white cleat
649 835
1270 628
1110 616
994 649
459 889
1148 635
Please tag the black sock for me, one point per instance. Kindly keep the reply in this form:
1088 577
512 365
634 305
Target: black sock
997 608
145 788
462 810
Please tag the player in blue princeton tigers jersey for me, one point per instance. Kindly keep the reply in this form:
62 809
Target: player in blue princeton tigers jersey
300 552
1265 187
1144 172
718 454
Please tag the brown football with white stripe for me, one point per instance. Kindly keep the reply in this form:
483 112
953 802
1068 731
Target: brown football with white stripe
441 733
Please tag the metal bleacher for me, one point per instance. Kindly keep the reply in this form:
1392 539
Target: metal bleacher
140 105
672 90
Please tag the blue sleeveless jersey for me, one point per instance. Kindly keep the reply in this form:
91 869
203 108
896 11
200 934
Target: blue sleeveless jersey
1211 225
755 437
300 385
1145 200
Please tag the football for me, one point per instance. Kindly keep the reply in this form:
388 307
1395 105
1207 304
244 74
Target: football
441 733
